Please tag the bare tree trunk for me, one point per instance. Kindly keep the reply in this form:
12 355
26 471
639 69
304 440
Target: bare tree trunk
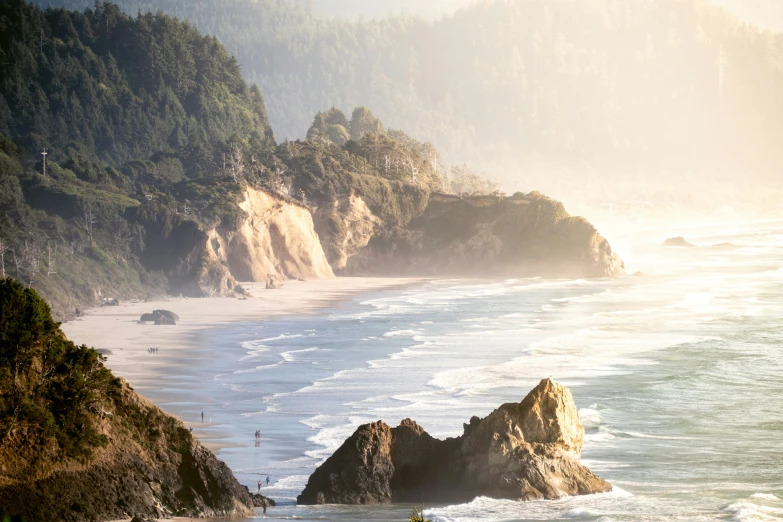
51 254
2 256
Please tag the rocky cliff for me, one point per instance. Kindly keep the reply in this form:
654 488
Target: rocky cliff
525 451
272 235
522 235
159 471
77 444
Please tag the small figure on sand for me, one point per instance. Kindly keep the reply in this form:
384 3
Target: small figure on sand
263 504
259 485
202 417
267 482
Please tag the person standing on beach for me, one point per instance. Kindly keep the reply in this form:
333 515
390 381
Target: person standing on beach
202 417
259 485
267 482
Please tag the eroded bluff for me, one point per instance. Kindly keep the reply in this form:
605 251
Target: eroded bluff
152 467
525 451
525 235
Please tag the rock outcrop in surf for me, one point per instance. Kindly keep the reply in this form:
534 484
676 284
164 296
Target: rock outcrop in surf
525 451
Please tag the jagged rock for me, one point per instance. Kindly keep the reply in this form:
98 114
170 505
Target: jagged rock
259 500
172 475
160 317
525 451
677 242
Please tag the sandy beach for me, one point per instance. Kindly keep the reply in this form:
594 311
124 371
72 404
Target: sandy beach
116 330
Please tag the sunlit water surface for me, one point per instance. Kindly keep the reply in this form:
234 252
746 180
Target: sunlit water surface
677 372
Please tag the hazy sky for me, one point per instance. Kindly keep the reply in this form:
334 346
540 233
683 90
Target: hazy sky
765 13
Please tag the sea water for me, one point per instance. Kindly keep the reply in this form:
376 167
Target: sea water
677 373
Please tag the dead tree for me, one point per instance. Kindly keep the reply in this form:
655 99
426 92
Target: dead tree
412 167
237 163
51 254
3 248
88 219
31 261
121 237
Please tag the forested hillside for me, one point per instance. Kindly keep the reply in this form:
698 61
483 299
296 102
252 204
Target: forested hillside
567 94
153 141
77 443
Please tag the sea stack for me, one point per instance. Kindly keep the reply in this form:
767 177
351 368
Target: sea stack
521 451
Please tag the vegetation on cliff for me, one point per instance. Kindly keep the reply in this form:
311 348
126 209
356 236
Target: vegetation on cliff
151 134
152 139
76 443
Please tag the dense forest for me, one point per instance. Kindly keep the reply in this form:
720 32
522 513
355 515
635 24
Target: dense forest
151 135
555 94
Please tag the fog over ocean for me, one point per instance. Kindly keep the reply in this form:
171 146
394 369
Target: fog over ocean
676 372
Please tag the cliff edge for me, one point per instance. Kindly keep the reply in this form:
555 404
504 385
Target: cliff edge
525 451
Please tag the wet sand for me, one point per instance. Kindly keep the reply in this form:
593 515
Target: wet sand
116 329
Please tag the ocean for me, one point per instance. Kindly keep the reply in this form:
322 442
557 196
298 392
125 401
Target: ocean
677 372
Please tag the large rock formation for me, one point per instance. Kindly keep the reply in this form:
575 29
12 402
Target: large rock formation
273 236
523 235
151 467
78 444
525 451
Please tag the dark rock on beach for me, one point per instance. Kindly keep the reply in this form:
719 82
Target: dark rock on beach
525 451
160 317
261 500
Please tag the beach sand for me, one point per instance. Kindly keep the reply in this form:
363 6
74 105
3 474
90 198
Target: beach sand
116 328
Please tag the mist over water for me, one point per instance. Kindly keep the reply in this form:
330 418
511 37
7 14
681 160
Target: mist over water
676 373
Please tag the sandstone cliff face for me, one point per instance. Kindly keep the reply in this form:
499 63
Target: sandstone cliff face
152 467
345 228
525 235
274 236
525 451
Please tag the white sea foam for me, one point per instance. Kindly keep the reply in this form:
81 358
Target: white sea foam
259 368
281 337
766 496
402 333
291 356
590 417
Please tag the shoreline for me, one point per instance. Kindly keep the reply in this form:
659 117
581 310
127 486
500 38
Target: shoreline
115 329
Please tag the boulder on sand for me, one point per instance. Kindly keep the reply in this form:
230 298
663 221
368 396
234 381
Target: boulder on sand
160 317
525 451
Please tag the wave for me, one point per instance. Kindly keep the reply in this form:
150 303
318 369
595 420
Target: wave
290 356
746 511
281 337
400 333
258 368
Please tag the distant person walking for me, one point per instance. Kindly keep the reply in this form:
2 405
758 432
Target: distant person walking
267 482
202 417
259 485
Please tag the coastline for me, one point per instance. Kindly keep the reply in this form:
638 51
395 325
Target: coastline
115 329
